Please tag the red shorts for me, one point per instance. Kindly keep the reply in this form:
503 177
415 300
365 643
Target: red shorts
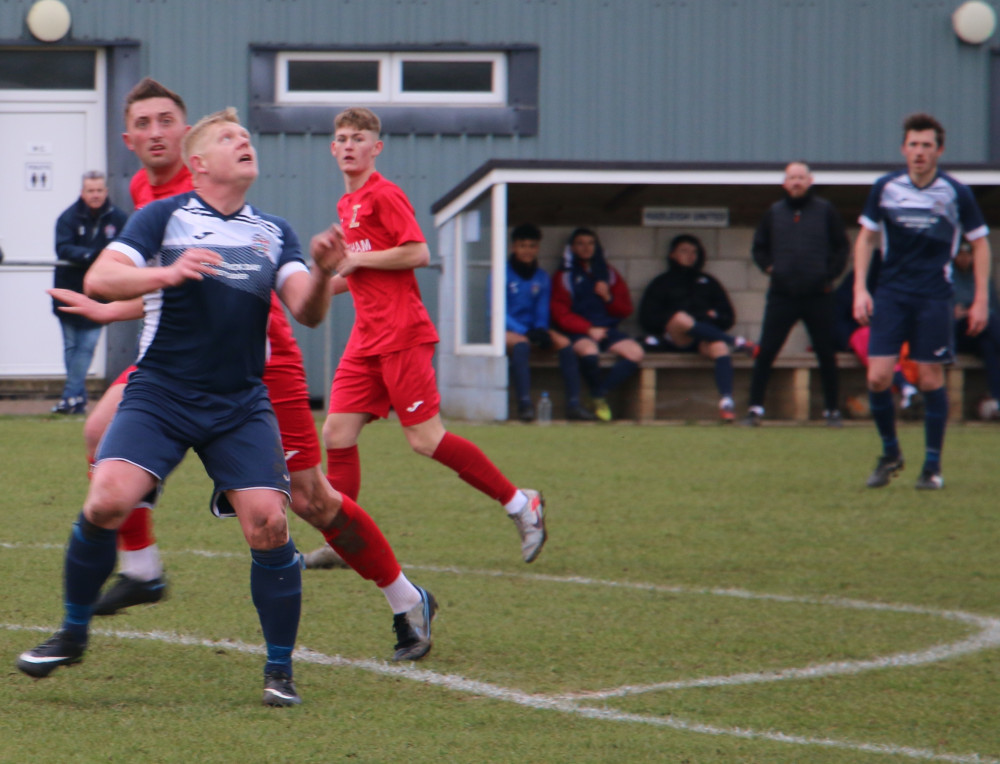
290 399
403 380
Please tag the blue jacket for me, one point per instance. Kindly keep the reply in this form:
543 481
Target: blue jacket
80 237
527 300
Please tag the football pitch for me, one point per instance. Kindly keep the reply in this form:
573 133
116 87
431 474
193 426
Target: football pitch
707 594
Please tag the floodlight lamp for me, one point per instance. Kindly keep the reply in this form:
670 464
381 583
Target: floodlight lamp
48 20
974 21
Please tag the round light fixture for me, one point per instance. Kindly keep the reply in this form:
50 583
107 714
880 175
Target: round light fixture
974 21
48 20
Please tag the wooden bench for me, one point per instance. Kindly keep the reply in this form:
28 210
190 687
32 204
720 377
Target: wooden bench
793 390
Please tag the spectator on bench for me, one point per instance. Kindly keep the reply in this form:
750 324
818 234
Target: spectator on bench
528 291
589 299
686 310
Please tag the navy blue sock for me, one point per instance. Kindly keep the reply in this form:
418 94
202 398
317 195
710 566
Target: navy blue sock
884 413
90 558
706 332
590 367
276 588
935 418
519 355
724 375
571 376
622 370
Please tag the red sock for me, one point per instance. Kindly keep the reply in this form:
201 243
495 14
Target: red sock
137 530
359 541
474 467
343 470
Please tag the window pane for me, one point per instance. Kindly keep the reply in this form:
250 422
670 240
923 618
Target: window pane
447 76
356 76
47 70
478 257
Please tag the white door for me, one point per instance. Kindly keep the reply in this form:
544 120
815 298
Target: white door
48 139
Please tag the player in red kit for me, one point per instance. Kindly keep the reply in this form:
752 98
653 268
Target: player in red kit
156 119
387 362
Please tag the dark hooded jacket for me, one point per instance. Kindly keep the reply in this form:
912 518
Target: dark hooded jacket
575 306
687 289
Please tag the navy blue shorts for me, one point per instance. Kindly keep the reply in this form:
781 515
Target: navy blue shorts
614 335
927 324
236 435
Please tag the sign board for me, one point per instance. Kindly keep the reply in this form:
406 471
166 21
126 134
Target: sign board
686 217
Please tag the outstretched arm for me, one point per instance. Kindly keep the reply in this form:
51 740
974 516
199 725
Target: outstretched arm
100 312
115 277
412 254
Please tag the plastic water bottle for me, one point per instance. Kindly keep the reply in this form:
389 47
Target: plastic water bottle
544 409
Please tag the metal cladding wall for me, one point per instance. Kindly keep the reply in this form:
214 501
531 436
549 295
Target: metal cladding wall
635 80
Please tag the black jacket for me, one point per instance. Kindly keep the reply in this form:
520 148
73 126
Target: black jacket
687 289
804 243
80 237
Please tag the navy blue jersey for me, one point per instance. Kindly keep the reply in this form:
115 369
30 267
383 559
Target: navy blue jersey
921 230
209 334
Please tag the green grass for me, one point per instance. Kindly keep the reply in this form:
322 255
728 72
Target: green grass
676 553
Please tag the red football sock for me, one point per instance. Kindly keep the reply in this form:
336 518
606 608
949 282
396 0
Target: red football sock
474 467
137 530
359 541
343 470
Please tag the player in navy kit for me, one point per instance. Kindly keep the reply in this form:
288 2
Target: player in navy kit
206 262
920 216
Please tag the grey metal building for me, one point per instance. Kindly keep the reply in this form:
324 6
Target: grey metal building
460 83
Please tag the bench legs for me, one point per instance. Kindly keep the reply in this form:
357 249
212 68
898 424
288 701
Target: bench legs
647 395
955 384
800 393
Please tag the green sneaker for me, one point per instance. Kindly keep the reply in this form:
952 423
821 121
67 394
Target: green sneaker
602 410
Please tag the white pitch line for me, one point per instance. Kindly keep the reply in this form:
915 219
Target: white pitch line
987 637
456 683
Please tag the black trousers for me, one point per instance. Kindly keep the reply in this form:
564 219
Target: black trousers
781 313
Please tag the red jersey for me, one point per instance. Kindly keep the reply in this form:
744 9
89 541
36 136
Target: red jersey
284 372
389 311
143 193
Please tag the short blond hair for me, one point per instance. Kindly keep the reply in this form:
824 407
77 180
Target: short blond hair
359 118
195 136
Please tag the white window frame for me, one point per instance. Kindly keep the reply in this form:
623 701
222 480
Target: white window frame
496 96
62 96
496 346
284 95
390 89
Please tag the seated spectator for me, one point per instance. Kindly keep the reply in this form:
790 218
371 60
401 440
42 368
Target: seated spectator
686 310
850 336
589 298
986 344
528 292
